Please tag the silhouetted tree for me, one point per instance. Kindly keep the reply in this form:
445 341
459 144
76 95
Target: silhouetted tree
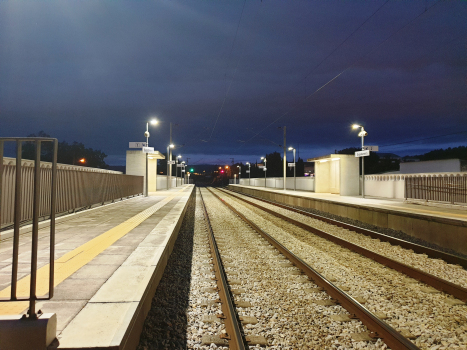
67 153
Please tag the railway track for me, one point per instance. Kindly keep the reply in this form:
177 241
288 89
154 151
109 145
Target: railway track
436 282
408 306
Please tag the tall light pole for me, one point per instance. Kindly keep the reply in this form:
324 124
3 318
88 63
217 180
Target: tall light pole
176 171
239 173
294 169
249 173
362 134
265 170
146 134
169 166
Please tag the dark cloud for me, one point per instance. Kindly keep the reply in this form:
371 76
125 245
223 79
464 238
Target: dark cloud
95 71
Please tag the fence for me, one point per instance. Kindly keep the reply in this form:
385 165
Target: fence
449 188
77 187
303 183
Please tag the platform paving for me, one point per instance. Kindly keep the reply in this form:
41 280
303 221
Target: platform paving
107 260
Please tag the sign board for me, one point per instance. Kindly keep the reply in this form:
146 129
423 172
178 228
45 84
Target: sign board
179 165
291 164
137 144
371 148
171 162
362 153
260 166
148 149
183 170
248 171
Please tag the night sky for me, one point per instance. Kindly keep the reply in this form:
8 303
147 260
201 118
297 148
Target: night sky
229 73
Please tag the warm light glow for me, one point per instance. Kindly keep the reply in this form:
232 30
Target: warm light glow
171 145
356 126
82 160
226 166
154 121
262 158
220 167
335 159
323 161
290 148
238 166
150 158
179 156
247 163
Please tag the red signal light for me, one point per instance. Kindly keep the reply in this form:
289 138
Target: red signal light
222 171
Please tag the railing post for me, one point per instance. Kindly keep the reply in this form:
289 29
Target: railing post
53 201
17 220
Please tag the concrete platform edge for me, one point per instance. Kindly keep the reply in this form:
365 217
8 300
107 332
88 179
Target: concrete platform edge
445 232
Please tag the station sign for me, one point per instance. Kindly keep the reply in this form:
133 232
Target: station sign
362 153
148 149
138 144
371 148
260 166
248 171
179 165
291 164
171 162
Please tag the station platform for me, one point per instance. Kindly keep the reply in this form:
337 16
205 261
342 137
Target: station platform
108 263
444 226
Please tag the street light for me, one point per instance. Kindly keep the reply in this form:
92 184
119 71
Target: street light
249 173
265 171
362 134
239 172
146 134
176 171
169 178
182 176
294 169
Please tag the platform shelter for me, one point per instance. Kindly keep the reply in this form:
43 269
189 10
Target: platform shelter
136 165
337 174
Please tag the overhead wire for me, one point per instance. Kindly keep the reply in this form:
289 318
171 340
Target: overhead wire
338 75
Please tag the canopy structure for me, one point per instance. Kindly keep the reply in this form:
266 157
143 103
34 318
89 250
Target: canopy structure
337 173
136 165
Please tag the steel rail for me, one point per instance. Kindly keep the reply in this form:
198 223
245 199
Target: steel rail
233 327
417 248
431 280
381 329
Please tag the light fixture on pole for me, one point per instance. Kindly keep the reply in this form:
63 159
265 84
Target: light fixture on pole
239 172
169 178
182 176
176 171
249 173
265 171
294 169
146 134
362 134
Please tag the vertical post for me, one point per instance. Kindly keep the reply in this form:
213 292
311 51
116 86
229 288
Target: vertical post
35 231
147 171
285 160
167 177
53 201
249 174
363 167
17 220
294 172
265 171
170 156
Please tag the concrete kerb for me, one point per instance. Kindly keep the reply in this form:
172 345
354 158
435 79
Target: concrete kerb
446 232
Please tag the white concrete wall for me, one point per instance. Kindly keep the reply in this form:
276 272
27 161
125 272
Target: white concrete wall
386 186
322 177
136 165
431 166
349 176
303 183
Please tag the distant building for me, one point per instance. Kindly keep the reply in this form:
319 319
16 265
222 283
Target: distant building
432 166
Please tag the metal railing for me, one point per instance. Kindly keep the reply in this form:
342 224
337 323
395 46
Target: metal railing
33 189
450 188
36 195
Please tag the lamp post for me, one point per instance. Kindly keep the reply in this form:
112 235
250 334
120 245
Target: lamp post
249 173
362 134
239 173
265 171
176 171
146 134
294 169
169 178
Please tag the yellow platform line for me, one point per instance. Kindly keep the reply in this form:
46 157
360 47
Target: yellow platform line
72 261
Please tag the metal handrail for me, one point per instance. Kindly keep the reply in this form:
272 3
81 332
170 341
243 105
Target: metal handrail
35 219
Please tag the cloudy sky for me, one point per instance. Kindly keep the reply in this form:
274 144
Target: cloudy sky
227 74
